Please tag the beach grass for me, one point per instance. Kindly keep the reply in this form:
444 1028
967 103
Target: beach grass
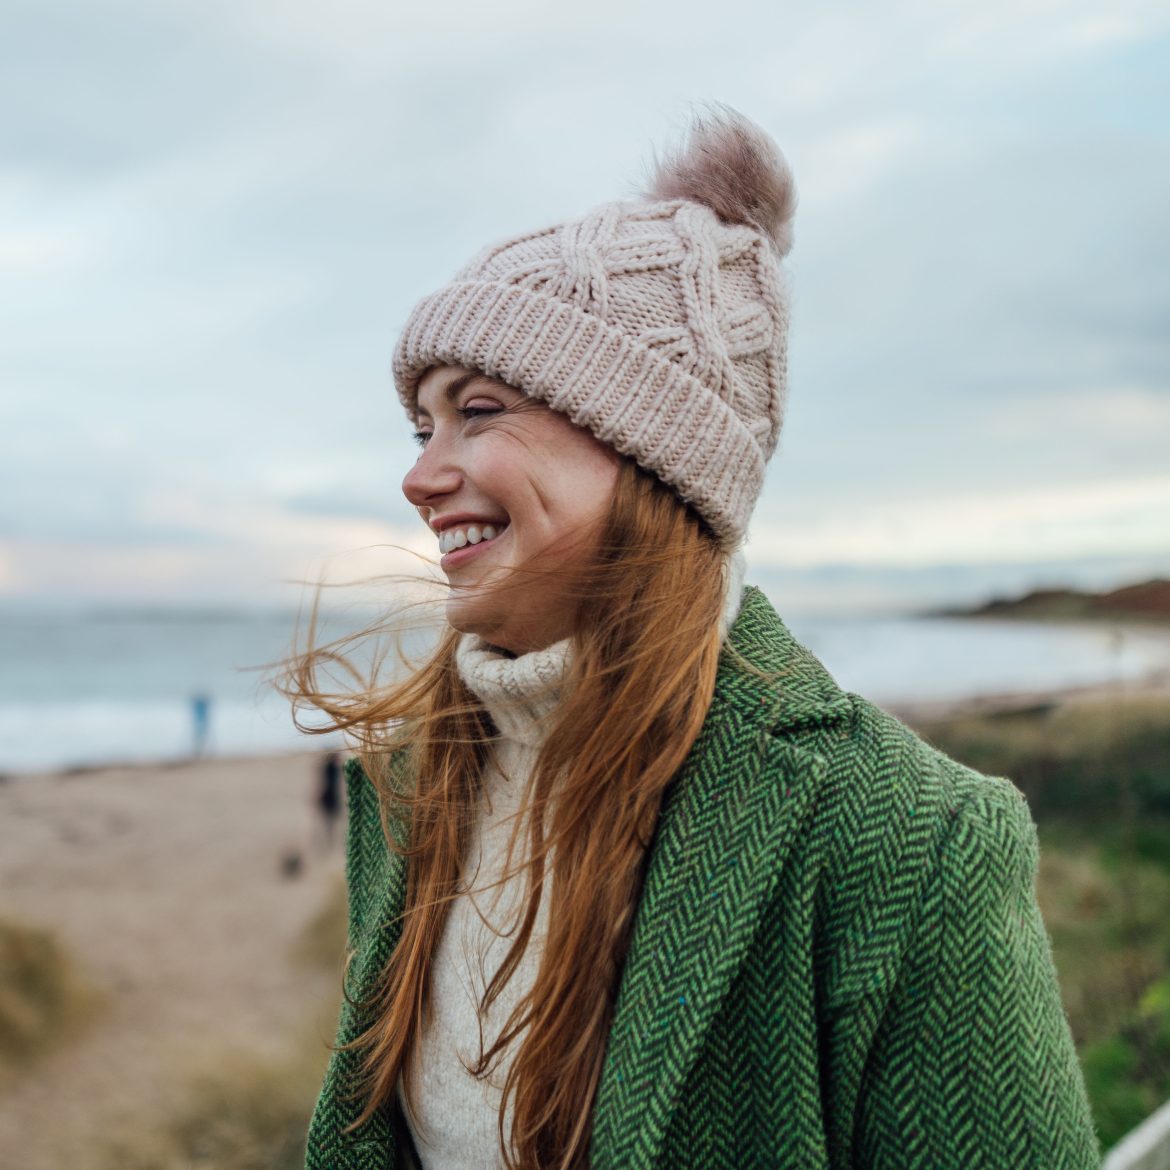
244 1111
45 998
1110 939
1083 763
1097 779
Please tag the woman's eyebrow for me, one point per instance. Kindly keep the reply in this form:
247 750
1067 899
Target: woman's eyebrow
457 384
454 386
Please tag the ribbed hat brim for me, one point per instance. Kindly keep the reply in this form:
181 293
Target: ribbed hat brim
629 396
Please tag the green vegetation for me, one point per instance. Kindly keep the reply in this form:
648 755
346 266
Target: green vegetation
1100 765
44 998
1097 778
1128 1074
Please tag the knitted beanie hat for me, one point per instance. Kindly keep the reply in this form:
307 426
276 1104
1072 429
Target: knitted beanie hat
659 324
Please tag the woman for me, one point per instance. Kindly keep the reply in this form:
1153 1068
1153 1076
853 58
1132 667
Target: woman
632 882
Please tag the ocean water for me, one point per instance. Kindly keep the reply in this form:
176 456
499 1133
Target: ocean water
85 688
894 660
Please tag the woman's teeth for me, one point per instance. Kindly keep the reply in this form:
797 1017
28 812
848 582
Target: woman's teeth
453 538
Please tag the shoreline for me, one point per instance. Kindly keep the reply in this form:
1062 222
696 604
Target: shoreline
1153 686
1136 621
162 763
1143 643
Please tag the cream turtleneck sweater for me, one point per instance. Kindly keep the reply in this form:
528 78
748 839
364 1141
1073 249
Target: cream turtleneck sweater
455 1126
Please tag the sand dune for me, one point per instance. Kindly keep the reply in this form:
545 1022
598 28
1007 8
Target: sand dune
166 885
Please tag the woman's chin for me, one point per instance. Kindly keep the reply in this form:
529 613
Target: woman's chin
483 603
471 615
500 630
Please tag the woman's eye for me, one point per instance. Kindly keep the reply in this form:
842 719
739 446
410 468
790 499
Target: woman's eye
471 411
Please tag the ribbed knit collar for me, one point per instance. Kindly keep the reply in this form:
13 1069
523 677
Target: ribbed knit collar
520 694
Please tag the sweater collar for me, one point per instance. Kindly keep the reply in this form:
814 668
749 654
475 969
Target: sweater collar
521 693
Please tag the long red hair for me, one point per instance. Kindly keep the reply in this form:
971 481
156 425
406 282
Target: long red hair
645 650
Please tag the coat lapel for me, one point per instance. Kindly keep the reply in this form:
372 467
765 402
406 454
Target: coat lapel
378 897
724 835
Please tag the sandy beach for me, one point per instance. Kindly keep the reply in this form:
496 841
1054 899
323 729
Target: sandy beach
166 885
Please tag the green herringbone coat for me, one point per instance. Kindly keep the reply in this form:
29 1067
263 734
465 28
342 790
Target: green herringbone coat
838 959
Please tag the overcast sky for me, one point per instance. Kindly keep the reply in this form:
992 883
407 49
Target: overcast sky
215 216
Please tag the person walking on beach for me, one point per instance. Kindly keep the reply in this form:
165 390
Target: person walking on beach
200 723
327 800
632 882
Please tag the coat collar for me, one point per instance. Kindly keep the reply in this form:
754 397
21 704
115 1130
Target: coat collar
724 836
764 666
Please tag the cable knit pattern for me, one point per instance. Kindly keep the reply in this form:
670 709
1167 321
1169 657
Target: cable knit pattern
656 324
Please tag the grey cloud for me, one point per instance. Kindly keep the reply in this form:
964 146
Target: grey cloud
267 188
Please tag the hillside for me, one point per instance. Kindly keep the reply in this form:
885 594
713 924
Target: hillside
1145 601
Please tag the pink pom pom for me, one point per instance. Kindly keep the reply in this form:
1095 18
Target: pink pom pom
733 167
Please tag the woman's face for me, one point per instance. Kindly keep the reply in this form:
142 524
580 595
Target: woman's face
506 483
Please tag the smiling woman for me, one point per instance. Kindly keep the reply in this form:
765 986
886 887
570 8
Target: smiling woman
632 882
516 494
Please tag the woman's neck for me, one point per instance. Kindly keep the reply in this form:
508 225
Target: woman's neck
521 692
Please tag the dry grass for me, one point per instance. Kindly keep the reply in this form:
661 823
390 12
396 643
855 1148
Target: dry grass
322 944
1078 761
44 998
1111 941
244 1112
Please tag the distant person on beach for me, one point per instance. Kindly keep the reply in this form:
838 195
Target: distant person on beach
200 722
632 882
327 800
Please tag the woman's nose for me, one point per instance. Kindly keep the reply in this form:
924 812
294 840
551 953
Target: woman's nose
434 475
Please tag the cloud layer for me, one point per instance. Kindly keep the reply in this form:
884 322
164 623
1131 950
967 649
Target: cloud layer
215 217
